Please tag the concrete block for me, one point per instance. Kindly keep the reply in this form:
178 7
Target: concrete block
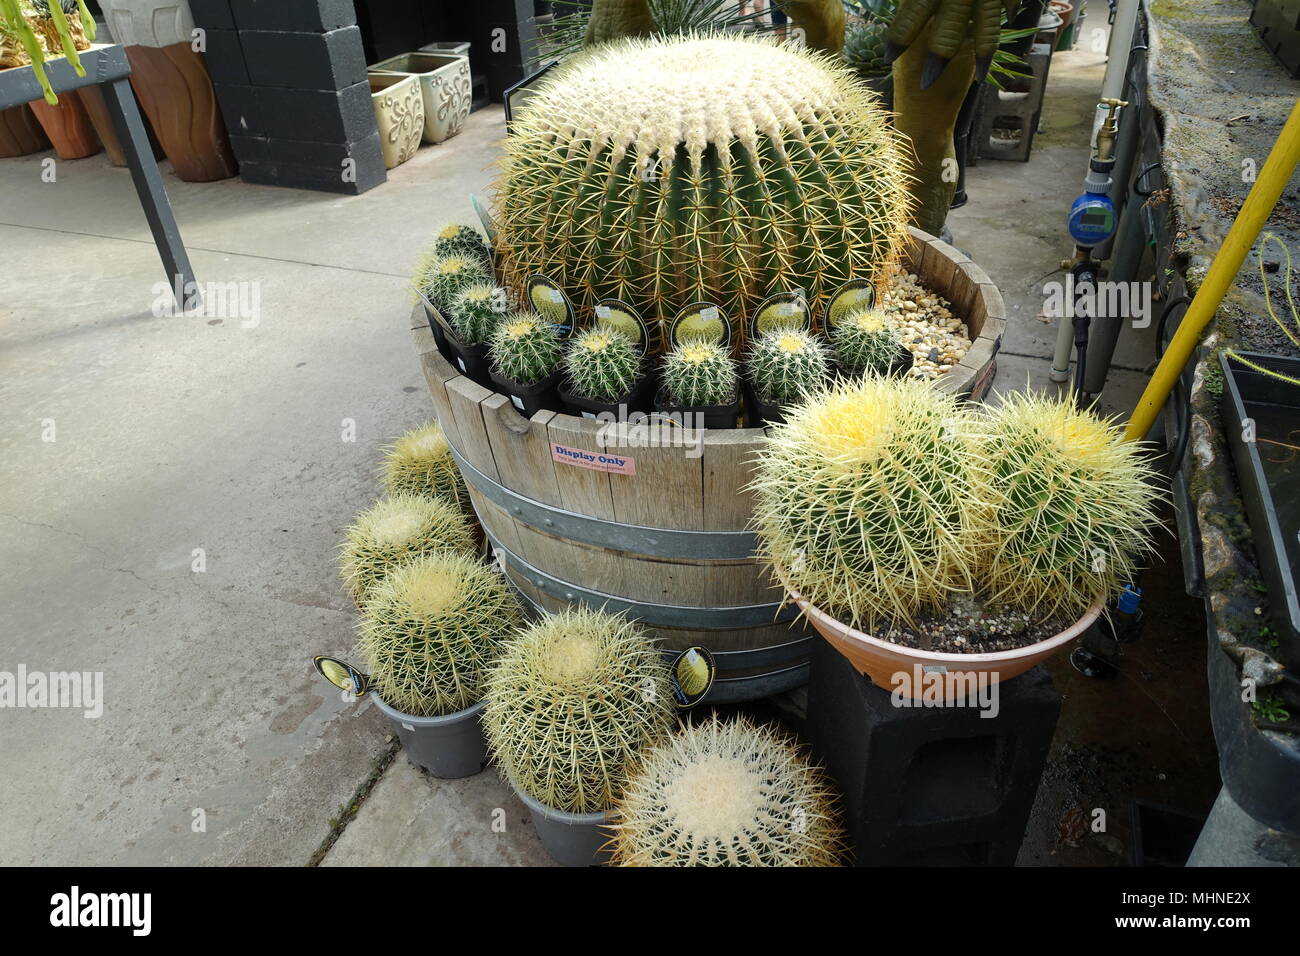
304 61
314 116
306 16
225 57
212 14
321 167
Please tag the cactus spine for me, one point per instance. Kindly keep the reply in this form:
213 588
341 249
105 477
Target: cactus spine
707 168
440 278
697 374
572 703
525 348
727 794
397 528
864 342
602 365
866 500
786 363
430 630
477 310
1073 506
420 463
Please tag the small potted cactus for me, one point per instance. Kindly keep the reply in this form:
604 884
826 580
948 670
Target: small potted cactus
420 463
977 542
395 529
727 794
572 703
784 365
699 379
439 278
604 371
864 343
524 356
428 636
474 314
460 238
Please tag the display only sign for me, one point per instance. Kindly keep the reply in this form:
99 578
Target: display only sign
595 460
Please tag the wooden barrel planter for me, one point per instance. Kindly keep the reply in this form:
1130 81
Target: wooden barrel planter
583 513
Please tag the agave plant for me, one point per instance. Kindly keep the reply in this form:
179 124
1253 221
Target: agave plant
1073 506
420 463
430 631
525 348
867 499
395 529
727 794
712 169
69 20
572 703
699 374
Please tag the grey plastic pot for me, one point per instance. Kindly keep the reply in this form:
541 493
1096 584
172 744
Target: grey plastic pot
447 747
572 839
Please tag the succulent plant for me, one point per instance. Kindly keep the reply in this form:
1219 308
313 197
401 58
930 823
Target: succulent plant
420 463
440 278
477 310
394 529
430 630
786 363
572 703
864 342
1073 506
726 794
696 374
703 168
65 27
525 348
458 238
602 364
866 500
864 48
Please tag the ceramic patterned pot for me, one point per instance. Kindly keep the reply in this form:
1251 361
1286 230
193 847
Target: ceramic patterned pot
399 113
445 85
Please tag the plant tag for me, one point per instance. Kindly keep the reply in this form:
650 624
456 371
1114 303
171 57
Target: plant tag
593 460
692 676
517 402
406 726
591 415
934 669
602 312
556 296
709 313
461 363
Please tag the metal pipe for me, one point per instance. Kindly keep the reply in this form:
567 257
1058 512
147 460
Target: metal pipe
1263 196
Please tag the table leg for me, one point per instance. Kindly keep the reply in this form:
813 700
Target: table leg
149 186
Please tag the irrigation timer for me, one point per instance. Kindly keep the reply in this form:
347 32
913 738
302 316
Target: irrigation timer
1092 219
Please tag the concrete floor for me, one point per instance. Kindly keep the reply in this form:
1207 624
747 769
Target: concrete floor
176 434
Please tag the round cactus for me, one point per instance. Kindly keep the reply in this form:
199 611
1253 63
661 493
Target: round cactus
786 363
865 500
420 463
525 348
705 168
864 342
395 529
697 374
1073 507
602 365
727 794
477 310
458 238
440 278
572 703
431 629
864 48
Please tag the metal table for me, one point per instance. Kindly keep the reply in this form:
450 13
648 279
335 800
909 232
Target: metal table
107 67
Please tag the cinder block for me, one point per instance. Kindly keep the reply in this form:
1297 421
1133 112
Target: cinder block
369 172
212 14
225 57
304 61
930 785
263 149
321 116
240 109
306 16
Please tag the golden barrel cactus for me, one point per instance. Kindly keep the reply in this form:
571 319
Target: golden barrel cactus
702 168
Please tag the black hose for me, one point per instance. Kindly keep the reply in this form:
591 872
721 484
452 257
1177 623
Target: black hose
1182 401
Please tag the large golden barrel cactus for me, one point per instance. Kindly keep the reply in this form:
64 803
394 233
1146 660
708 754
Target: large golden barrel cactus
662 172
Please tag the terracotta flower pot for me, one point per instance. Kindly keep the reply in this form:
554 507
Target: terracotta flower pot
399 113
20 134
881 660
68 126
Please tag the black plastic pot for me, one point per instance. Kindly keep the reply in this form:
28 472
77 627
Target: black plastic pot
528 400
713 416
637 400
901 364
760 411
470 360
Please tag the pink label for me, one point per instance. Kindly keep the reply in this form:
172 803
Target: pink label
596 461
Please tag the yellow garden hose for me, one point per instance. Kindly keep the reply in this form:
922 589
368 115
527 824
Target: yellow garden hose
1250 220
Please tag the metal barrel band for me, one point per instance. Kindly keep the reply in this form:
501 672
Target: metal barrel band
631 538
661 615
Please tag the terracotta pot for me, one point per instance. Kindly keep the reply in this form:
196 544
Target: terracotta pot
92 98
68 126
399 113
176 94
20 134
881 660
